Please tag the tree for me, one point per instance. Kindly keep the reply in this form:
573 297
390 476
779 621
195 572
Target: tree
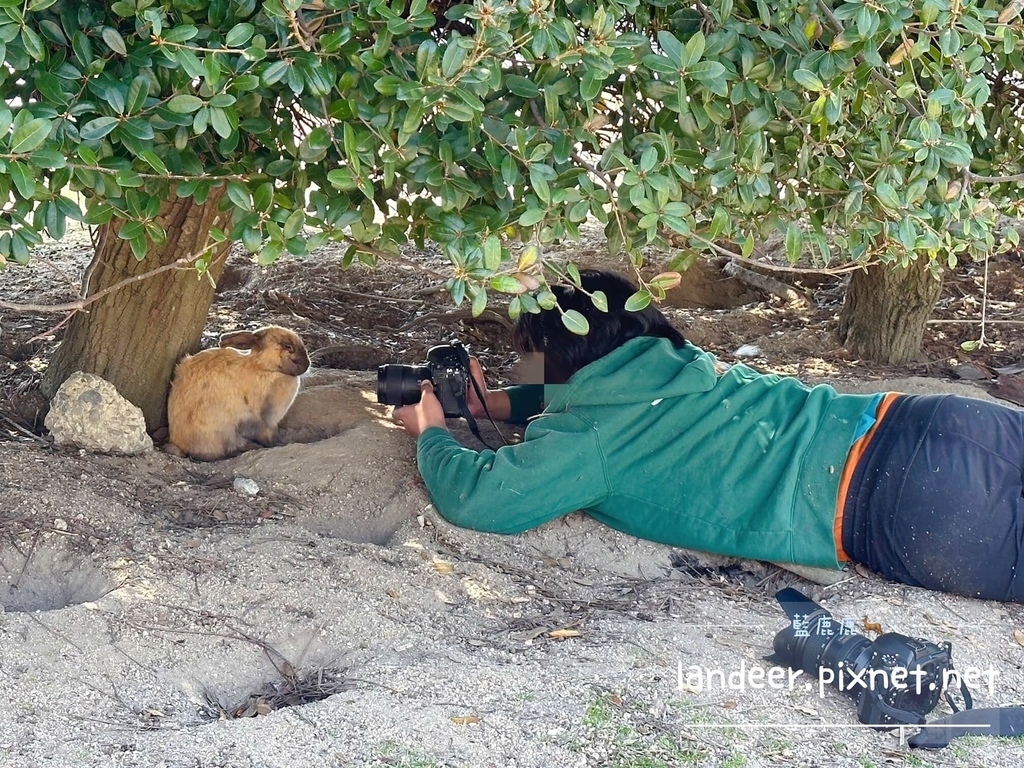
886 126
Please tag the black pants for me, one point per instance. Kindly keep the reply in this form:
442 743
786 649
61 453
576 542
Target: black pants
937 499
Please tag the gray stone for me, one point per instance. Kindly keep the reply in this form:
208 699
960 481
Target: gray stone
88 412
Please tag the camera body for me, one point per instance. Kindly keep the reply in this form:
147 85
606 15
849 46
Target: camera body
894 680
447 368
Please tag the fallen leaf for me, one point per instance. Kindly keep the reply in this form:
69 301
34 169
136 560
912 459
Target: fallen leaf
807 711
563 633
466 720
729 704
392 593
615 700
1018 636
441 566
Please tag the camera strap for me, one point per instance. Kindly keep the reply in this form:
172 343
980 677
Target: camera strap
460 398
993 721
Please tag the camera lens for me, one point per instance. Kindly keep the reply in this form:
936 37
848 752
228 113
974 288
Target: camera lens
820 643
400 384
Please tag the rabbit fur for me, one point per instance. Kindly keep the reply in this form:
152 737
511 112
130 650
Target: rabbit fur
230 399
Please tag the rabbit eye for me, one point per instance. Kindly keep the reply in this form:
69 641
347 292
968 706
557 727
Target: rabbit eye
288 347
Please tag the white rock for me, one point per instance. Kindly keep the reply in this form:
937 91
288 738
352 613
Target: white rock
88 412
246 487
748 350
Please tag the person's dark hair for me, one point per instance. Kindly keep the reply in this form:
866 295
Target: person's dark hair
566 352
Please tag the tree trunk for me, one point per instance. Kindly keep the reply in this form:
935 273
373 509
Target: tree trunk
134 336
885 311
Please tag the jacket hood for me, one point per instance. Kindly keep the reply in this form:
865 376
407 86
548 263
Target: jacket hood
643 369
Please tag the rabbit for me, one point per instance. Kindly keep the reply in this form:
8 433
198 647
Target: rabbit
228 400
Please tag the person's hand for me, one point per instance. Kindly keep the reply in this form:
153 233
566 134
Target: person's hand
418 417
497 400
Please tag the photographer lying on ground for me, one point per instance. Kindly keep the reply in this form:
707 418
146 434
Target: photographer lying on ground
652 436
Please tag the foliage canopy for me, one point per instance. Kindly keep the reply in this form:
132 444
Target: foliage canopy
892 127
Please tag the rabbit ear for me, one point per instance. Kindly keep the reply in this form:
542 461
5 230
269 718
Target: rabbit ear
240 340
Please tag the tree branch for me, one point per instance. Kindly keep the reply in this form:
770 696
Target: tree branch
367 248
995 179
768 284
76 306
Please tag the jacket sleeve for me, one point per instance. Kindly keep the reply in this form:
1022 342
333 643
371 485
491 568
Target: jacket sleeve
557 470
526 400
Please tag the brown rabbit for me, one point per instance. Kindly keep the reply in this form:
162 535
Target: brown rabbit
228 400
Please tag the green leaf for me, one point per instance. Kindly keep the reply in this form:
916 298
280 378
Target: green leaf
190 63
275 73
33 44
239 195
794 242
343 179
252 239
492 253
591 85
181 33
521 86
222 100
707 72
638 301
139 247
671 46
809 80
220 122
575 322
138 92
719 223
507 284
887 196
114 40
479 303
453 59
600 300
128 178
23 181
154 161
239 35
131 229
694 49
539 182
98 128
293 225
185 103
531 216
30 135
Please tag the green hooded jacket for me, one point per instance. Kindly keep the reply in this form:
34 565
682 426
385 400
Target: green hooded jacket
650 440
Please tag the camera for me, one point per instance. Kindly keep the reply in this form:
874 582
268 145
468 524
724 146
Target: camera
447 368
895 679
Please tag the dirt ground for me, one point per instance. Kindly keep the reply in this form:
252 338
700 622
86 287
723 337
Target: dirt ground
154 614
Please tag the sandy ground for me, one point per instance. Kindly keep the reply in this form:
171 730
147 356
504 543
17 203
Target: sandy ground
156 616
